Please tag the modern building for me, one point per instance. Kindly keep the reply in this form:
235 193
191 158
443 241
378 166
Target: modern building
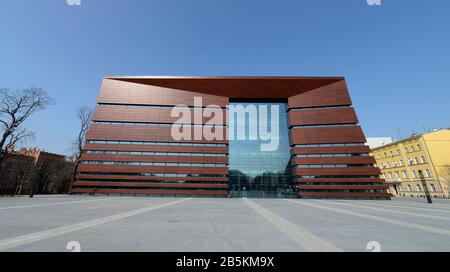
133 147
403 161
374 142
27 169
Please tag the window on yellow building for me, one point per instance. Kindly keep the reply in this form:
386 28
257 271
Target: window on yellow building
433 187
405 174
422 159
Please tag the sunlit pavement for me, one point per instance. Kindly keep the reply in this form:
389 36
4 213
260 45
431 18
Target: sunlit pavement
199 224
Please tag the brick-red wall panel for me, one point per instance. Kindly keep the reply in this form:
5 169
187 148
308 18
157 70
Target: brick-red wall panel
331 150
150 178
120 92
157 148
152 185
322 116
156 115
339 180
327 135
343 194
150 158
340 187
335 94
145 133
152 169
339 160
151 192
356 171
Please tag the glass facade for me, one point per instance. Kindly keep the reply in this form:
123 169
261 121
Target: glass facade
255 172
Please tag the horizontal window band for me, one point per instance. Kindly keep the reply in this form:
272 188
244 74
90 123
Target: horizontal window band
131 174
329 145
156 143
332 165
374 184
121 176
348 182
336 155
156 106
180 164
319 108
343 190
148 153
150 184
155 124
323 126
179 181
149 188
337 177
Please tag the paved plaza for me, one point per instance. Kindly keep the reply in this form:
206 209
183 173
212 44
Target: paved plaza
100 223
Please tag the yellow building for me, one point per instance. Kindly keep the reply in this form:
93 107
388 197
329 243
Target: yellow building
403 162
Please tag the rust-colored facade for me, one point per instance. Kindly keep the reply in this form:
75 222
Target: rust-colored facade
131 133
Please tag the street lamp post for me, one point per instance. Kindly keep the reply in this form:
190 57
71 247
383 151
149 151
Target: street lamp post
425 187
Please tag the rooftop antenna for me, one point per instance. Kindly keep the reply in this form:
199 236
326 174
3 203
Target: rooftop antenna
399 132
424 129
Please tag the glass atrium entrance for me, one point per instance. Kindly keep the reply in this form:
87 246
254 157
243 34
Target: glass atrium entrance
259 151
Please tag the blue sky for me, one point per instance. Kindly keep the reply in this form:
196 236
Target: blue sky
396 58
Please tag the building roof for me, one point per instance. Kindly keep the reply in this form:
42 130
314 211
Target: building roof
408 139
236 86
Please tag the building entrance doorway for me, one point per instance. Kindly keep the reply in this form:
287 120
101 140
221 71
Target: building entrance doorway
262 191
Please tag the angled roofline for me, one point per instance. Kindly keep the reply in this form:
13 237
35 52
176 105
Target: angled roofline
242 87
417 136
121 77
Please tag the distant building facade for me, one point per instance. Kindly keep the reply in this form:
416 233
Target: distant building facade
402 161
37 170
374 142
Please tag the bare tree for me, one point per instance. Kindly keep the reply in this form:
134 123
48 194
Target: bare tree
15 108
84 115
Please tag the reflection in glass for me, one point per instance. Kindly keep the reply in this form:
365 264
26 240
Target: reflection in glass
256 173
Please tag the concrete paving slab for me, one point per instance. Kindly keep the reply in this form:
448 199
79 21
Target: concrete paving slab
201 224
